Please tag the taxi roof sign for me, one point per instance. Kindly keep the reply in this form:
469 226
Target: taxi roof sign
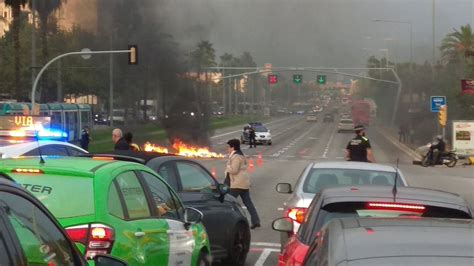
25 122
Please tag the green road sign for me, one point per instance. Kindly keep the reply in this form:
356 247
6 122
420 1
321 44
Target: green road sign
298 78
321 79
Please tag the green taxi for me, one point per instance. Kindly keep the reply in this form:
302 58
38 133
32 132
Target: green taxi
114 207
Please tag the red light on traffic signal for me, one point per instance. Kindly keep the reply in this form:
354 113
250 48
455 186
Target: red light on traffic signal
272 79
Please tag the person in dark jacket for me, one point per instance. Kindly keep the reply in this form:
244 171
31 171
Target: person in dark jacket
129 139
85 138
252 136
120 143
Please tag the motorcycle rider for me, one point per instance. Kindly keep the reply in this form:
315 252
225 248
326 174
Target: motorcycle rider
436 150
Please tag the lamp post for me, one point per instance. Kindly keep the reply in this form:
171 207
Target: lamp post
411 44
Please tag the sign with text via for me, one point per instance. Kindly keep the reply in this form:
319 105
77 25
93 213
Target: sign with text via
436 102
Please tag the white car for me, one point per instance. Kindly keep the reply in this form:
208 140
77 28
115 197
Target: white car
14 148
345 125
262 135
320 175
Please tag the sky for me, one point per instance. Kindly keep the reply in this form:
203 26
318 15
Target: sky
322 33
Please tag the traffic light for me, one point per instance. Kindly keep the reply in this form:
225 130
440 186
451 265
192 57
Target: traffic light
443 115
321 79
298 78
133 55
272 79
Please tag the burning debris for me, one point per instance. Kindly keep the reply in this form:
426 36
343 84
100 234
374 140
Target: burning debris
183 149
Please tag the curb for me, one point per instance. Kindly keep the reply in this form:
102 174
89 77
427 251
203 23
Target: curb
402 146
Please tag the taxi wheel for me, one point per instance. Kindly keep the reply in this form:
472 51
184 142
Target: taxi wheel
240 246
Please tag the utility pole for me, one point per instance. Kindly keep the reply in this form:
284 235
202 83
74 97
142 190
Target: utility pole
111 82
224 96
33 41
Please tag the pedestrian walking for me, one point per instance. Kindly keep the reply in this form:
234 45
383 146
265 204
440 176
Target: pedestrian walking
403 131
129 139
252 136
85 138
120 143
236 171
359 149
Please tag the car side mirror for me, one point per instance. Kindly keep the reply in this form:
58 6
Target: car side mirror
107 260
192 216
223 188
283 225
284 188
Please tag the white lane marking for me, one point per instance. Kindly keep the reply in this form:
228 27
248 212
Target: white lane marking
263 257
237 131
280 209
266 244
326 150
339 157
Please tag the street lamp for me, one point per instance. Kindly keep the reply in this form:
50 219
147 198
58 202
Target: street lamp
411 34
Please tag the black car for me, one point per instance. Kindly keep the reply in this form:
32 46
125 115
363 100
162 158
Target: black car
224 219
30 235
329 117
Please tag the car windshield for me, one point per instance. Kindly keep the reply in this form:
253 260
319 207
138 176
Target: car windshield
320 178
364 209
56 192
346 121
260 129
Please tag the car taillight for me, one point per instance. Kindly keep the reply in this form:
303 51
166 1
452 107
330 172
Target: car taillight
296 214
97 238
396 206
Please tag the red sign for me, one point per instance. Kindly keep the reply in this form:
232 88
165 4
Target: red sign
467 86
272 79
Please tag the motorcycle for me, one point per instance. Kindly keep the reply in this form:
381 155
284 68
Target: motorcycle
448 158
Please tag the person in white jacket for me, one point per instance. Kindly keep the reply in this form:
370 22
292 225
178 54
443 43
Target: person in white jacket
236 169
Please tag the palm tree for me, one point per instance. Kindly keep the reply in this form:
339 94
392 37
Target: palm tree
45 8
16 13
457 43
203 56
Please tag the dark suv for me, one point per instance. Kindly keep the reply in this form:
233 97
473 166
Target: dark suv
30 235
224 219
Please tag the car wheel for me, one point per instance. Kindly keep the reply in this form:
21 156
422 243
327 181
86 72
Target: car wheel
240 246
204 259
269 143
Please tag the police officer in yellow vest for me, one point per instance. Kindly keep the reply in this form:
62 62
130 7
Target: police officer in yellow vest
359 149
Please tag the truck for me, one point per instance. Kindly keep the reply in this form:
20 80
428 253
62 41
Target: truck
361 112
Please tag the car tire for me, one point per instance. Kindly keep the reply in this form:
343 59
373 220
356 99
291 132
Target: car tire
240 246
269 143
204 259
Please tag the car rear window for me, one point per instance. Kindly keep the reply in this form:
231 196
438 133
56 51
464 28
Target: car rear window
320 178
65 197
345 121
362 209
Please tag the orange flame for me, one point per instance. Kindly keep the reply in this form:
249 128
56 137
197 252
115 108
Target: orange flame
183 149
148 147
193 151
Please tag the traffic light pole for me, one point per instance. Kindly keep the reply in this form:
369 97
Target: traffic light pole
38 77
261 70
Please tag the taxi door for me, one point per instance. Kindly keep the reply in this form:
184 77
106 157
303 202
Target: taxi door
140 238
168 207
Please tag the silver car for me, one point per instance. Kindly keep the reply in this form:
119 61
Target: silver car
320 175
345 124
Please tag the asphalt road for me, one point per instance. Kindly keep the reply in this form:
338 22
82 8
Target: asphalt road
295 144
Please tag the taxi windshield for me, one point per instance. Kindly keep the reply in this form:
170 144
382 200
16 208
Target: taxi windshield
54 190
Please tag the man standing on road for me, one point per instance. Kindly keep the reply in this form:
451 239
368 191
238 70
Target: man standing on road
120 143
252 136
85 138
236 169
359 149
